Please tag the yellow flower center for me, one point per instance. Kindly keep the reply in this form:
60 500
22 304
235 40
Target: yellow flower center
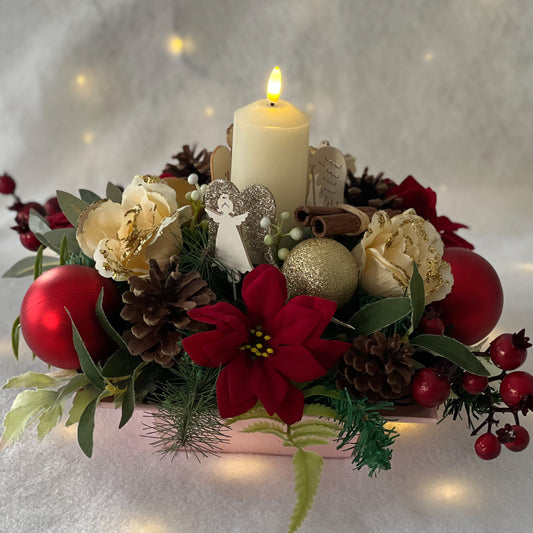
257 344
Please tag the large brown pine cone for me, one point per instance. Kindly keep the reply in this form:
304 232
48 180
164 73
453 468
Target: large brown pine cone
157 307
191 163
377 367
369 190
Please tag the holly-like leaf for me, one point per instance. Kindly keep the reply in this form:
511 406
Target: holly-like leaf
26 407
88 196
378 315
319 410
453 350
417 296
304 441
88 366
315 428
24 267
81 401
49 420
30 379
307 472
113 193
71 206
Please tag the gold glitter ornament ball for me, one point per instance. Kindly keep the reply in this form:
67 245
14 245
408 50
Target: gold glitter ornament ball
321 267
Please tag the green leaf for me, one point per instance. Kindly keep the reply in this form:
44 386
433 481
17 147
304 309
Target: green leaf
88 196
307 472
25 266
38 265
71 206
121 363
15 337
452 350
56 236
86 426
63 251
76 383
27 405
417 296
317 409
274 428
128 400
48 420
113 193
30 379
304 441
81 401
38 226
315 428
88 366
255 412
106 325
378 315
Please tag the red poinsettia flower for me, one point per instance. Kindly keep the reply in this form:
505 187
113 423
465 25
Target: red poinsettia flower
264 351
424 201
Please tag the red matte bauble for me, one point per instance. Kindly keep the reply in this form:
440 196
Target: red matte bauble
46 326
475 304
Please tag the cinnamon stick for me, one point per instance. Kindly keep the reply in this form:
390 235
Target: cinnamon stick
337 224
304 214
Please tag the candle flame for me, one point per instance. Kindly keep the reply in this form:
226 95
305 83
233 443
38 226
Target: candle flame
274 85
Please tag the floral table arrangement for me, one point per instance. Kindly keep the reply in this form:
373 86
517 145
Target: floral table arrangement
195 293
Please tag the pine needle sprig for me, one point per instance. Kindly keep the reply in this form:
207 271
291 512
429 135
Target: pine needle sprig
474 406
187 417
364 433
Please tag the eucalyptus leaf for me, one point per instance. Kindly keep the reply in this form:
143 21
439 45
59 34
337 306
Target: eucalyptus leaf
106 325
25 266
452 350
113 193
378 315
88 196
88 366
38 226
55 237
71 206
417 296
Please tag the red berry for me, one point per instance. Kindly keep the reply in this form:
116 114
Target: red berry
23 214
474 384
515 387
432 326
509 351
488 446
7 184
29 241
520 441
51 206
429 389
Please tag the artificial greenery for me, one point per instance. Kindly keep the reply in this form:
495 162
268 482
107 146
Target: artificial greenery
187 416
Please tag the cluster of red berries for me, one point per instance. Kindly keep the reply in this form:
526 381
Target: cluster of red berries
431 387
50 210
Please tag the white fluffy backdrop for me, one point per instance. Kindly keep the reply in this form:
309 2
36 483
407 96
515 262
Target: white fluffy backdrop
99 90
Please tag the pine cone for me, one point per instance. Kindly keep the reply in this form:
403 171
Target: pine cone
376 367
370 191
157 307
189 163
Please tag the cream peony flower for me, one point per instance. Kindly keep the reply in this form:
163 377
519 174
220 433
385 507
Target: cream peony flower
121 238
388 249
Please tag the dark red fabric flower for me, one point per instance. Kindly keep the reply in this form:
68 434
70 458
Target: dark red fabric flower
58 220
424 201
262 352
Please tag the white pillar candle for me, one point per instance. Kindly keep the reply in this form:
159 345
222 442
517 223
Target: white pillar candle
271 146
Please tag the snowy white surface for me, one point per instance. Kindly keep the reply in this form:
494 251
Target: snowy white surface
440 90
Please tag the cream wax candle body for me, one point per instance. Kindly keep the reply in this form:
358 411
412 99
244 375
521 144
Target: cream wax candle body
270 148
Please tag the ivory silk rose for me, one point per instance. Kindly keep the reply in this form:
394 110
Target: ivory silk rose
121 238
386 253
